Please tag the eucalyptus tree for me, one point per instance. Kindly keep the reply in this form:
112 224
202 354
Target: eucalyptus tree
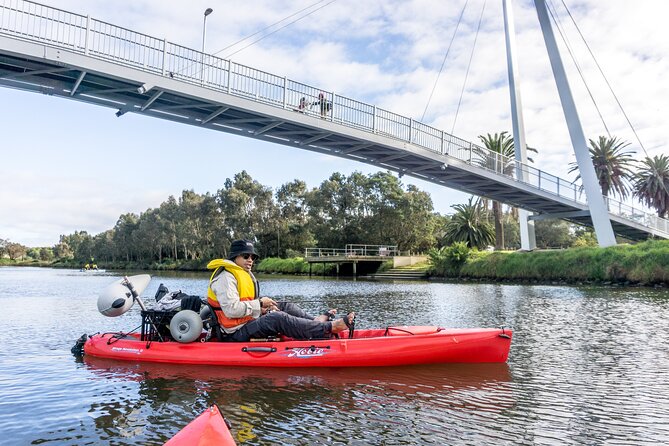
651 183
370 209
248 210
385 210
46 254
169 210
468 225
293 233
191 228
415 224
152 239
613 165
124 241
62 250
103 246
553 233
81 243
16 251
212 244
333 208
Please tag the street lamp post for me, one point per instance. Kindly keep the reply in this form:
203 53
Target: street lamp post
204 35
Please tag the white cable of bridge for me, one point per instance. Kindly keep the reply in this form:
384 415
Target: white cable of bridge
276 30
556 19
605 78
270 26
443 62
471 56
264 29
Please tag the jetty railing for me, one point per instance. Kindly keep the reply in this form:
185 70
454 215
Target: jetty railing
353 250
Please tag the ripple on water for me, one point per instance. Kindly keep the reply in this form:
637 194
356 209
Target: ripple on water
587 366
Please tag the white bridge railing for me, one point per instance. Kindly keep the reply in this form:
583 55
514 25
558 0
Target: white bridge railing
83 34
353 250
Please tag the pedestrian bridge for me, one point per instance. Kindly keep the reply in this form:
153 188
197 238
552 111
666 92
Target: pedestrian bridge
352 254
64 54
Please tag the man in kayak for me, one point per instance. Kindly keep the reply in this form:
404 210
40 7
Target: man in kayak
233 293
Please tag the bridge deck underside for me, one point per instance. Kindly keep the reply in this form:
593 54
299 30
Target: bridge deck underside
244 117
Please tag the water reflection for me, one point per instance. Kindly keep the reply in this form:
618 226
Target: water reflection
265 404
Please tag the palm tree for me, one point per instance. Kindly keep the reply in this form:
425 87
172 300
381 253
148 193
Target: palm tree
499 157
651 183
468 225
612 165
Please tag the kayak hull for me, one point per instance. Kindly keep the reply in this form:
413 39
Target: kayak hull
208 429
406 345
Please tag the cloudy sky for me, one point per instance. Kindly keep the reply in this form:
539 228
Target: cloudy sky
69 166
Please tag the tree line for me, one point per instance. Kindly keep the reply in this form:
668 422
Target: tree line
365 209
360 209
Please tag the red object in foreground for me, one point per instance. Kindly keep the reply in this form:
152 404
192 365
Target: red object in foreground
392 346
208 429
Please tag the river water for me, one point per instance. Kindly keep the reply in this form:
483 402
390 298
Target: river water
588 365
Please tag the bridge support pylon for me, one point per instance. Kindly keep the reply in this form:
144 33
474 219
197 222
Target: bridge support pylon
528 239
598 211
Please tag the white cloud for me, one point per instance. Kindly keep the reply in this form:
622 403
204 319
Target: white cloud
47 206
383 52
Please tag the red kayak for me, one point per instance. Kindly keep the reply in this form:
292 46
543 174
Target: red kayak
392 346
208 429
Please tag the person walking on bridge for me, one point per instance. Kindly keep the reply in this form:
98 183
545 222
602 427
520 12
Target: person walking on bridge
234 295
324 105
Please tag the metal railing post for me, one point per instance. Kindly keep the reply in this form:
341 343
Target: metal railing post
164 56
442 142
285 85
229 75
374 124
411 130
88 34
332 102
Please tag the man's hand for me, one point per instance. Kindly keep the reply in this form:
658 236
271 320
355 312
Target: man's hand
267 304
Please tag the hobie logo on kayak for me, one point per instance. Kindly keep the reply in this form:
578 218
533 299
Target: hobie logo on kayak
307 352
137 351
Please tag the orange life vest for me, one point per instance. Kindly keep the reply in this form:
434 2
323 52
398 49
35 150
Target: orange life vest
247 286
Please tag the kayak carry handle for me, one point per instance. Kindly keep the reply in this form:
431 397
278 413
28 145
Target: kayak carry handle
258 349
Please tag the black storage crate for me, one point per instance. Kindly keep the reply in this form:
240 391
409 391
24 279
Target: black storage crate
156 325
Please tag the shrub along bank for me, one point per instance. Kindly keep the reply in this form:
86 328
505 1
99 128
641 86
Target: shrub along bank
295 265
643 263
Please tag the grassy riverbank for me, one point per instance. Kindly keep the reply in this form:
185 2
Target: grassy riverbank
644 263
31 262
274 265
271 265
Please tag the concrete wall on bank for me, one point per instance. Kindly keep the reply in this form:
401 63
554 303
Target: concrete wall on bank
408 260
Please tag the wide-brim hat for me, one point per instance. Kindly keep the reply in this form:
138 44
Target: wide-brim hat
239 247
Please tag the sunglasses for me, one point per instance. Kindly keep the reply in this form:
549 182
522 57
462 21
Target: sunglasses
246 256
